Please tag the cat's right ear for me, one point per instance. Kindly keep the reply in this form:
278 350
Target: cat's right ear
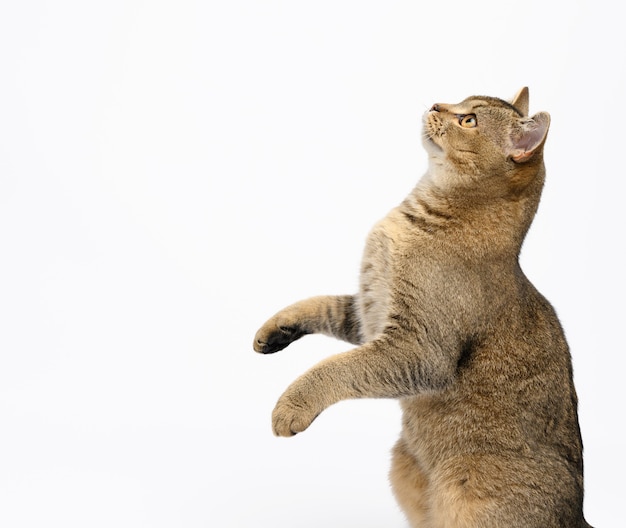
520 101
529 137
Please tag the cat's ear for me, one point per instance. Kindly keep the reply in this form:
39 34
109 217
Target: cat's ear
520 101
529 136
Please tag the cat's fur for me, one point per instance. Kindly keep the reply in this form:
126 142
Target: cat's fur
446 321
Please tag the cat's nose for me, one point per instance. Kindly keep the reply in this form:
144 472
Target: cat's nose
435 108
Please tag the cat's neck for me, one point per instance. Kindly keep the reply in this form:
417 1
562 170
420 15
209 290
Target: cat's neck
481 225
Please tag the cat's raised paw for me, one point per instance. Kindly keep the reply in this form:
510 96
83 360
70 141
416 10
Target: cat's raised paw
273 338
289 419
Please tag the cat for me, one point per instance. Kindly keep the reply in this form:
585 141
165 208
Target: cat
446 321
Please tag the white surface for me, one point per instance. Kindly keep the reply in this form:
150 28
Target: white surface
172 173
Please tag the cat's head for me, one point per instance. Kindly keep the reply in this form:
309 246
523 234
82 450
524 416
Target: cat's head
485 138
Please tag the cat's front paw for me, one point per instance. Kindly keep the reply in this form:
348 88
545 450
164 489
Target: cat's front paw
276 335
292 415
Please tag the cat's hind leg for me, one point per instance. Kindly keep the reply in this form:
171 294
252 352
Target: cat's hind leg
504 490
410 486
332 315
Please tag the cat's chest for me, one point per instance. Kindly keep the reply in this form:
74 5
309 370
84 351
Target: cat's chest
378 275
424 277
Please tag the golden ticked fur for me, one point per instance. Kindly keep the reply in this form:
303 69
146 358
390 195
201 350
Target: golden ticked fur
446 321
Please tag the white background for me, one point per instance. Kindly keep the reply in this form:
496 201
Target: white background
174 172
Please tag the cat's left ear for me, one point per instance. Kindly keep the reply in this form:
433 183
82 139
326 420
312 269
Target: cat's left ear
529 136
520 101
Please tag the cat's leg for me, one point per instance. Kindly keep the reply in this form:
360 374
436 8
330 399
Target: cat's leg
390 366
410 486
497 490
333 315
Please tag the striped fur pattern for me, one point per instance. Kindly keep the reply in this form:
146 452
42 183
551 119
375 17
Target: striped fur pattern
446 321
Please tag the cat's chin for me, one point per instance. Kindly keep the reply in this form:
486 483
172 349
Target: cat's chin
431 147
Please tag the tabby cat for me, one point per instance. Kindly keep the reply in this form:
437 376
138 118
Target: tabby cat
447 322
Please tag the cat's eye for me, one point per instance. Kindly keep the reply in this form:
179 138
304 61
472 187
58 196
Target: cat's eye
468 120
